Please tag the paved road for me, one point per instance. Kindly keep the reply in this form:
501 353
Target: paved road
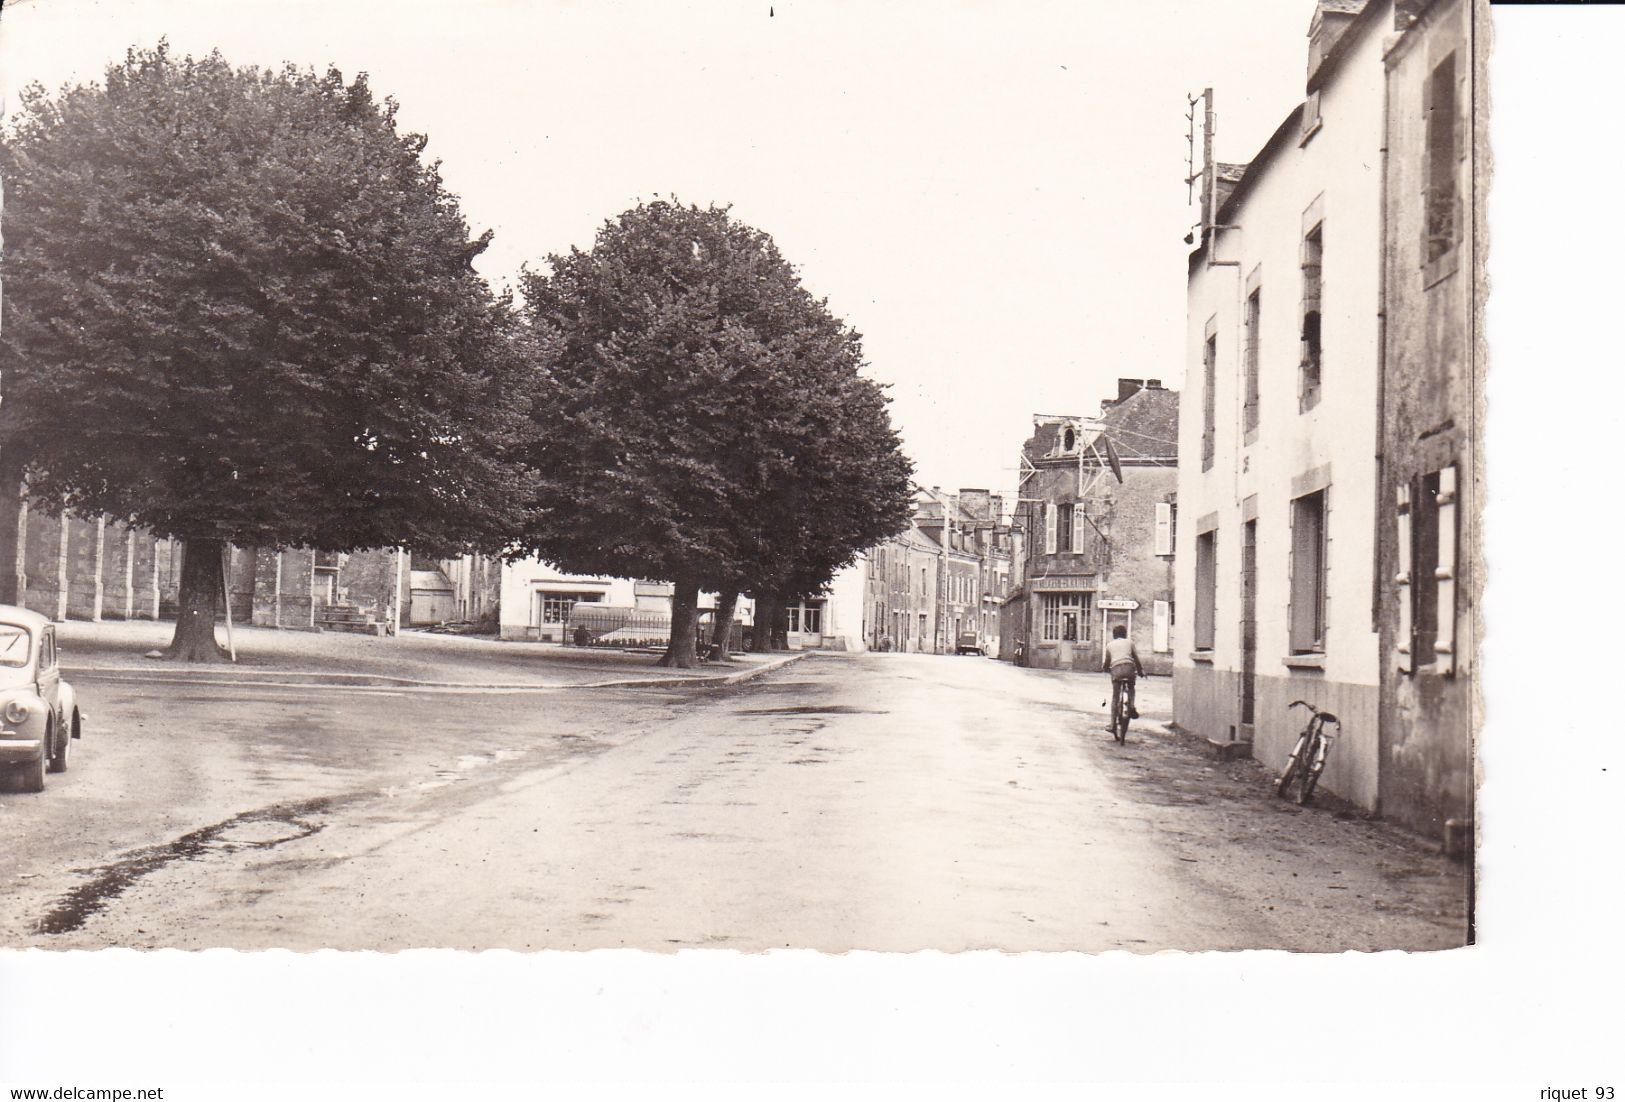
884 802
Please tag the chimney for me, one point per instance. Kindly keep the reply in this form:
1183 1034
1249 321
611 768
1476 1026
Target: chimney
1128 388
1153 384
1332 18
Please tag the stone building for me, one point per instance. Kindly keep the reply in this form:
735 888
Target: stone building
1096 504
901 576
1430 461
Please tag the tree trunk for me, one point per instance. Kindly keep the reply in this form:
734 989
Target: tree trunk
769 630
11 535
680 653
201 583
780 626
722 630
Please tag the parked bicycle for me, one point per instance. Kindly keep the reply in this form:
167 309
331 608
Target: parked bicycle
1309 754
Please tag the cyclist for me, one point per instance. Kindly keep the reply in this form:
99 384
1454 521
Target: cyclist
1123 662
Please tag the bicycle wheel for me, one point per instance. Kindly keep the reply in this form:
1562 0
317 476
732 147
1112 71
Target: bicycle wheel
1120 718
1309 770
1293 763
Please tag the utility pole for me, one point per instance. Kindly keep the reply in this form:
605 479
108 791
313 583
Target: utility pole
942 568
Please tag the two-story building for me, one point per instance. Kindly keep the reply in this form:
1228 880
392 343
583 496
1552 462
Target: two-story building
1096 504
1429 453
1330 418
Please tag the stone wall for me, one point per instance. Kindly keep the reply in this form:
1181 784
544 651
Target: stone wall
1429 422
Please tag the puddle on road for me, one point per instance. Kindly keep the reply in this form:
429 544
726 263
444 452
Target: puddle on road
261 829
461 768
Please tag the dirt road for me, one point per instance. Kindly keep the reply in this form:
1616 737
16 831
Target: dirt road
881 802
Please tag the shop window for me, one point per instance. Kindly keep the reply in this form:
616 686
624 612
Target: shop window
1064 617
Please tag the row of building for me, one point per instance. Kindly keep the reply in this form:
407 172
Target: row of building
1329 498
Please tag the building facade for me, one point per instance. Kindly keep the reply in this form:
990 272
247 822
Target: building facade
1430 462
1097 508
1328 494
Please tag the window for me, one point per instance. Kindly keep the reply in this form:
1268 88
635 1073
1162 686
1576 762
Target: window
1441 224
1210 370
1065 617
14 646
1309 347
1063 527
1207 589
1307 627
556 606
1249 409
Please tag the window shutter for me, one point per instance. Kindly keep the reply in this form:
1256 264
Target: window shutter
1080 517
1445 646
1402 578
1165 529
1049 529
1159 626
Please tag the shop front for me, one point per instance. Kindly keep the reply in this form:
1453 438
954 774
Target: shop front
1062 629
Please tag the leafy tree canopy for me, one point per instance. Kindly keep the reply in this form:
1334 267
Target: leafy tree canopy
240 306
706 419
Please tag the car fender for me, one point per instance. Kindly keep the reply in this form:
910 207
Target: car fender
34 723
70 707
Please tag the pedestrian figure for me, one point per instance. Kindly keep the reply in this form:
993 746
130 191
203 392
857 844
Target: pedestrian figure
1123 662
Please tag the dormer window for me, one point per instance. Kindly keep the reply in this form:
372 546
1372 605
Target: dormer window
1069 440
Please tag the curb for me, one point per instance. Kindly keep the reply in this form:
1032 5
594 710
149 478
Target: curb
320 679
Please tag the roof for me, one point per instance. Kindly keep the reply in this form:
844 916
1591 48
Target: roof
22 617
431 579
1144 426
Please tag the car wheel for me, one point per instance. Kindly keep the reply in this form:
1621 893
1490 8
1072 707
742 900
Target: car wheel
59 764
33 774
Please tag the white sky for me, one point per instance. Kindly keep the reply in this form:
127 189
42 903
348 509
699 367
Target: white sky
991 193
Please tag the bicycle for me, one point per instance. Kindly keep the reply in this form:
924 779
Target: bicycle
1308 756
1119 715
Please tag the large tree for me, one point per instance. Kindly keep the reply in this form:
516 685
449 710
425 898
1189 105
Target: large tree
240 307
694 387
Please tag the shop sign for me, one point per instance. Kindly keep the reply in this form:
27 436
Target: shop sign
1062 581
